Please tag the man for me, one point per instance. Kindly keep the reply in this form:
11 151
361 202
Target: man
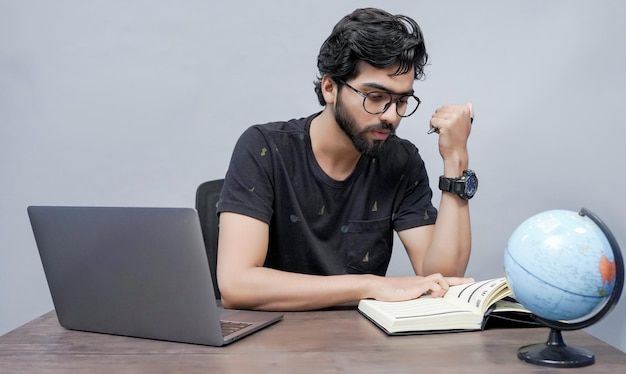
309 205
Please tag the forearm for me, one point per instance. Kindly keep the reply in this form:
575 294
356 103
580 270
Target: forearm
269 289
450 248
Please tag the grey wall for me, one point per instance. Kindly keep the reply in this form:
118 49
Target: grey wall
137 102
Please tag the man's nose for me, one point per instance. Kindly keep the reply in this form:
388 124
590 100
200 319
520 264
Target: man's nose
390 115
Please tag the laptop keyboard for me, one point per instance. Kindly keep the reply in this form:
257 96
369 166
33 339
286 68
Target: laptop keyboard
229 327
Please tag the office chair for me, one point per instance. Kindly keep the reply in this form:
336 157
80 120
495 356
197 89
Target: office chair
207 195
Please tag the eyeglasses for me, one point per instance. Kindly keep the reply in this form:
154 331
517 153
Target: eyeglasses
377 102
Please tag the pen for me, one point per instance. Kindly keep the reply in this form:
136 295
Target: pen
436 129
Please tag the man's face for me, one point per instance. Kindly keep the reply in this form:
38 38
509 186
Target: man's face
368 132
368 139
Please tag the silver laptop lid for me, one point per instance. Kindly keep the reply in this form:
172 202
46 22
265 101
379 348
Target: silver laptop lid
139 272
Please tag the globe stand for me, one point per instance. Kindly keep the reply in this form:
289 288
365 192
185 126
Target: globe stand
556 353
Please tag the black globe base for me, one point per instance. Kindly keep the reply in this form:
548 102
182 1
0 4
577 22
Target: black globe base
555 353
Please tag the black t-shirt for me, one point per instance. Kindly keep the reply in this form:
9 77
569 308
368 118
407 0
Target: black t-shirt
319 225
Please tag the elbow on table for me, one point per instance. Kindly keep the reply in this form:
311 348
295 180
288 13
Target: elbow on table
234 296
226 303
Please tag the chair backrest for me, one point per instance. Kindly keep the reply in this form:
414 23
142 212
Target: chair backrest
207 195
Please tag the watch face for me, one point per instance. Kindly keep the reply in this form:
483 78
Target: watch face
471 186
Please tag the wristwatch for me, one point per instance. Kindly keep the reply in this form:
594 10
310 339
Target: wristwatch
464 186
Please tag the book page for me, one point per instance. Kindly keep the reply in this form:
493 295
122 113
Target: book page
424 307
479 295
509 306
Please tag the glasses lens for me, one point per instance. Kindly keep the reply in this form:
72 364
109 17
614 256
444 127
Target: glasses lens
378 102
407 105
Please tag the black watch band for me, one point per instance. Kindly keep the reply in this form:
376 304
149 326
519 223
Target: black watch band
464 186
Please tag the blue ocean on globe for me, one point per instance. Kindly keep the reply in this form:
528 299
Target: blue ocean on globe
560 265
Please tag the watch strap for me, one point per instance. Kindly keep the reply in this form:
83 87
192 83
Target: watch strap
458 185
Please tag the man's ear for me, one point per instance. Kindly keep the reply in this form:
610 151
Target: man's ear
329 90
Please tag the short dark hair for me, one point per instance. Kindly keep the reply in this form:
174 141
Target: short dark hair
373 36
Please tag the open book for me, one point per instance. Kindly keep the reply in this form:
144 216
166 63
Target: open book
463 308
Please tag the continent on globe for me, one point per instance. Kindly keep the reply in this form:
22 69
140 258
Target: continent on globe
607 269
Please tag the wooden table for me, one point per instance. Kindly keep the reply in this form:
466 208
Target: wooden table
333 341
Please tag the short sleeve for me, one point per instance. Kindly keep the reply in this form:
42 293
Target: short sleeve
415 208
247 185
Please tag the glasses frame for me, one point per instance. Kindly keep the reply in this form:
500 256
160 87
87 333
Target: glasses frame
365 96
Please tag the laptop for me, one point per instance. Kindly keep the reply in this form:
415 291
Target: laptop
139 272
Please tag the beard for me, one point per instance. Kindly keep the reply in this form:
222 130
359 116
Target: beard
348 125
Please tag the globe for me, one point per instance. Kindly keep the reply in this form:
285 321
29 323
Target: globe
560 265
567 269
